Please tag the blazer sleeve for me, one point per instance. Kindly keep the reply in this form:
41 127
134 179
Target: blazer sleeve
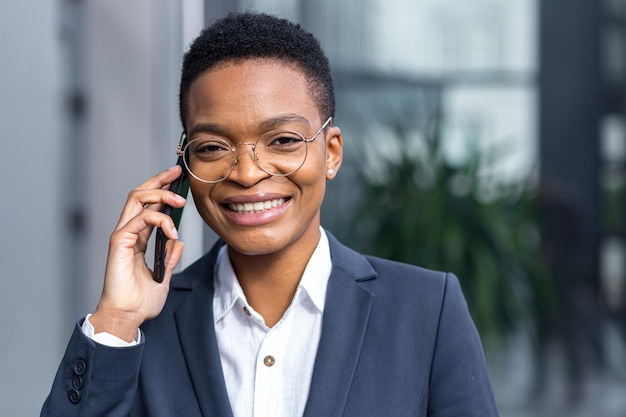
459 381
94 380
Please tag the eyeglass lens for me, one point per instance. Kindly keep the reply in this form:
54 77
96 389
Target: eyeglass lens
212 159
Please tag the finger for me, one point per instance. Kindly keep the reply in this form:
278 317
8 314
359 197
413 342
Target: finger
148 200
143 237
153 199
134 232
158 206
162 179
173 253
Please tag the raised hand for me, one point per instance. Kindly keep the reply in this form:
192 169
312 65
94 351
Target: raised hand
130 295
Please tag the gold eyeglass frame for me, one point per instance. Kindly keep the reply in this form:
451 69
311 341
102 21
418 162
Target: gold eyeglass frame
183 144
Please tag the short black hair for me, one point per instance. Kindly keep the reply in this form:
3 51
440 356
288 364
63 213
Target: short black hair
243 35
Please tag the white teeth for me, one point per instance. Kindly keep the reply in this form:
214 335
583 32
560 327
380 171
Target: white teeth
257 207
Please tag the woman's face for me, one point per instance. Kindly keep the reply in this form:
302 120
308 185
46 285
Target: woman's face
254 212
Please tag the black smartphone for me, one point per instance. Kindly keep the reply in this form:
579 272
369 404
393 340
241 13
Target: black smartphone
180 186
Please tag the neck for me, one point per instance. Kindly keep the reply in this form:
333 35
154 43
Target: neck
270 281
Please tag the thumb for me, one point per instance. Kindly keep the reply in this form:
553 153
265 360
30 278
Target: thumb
173 253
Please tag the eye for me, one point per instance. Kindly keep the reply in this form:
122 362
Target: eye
209 149
282 141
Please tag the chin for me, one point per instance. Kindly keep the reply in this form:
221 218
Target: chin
254 243
254 249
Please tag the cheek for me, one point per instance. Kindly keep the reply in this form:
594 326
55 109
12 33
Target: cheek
312 179
201 193
315 165
311 175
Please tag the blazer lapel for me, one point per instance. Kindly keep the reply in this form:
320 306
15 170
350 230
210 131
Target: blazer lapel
194 321
346 314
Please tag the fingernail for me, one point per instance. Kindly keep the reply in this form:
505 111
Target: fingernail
175 233
179 197
172 168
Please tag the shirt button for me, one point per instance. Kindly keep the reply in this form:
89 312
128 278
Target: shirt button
269 361
245 310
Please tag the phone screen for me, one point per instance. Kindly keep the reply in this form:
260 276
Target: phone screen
181 187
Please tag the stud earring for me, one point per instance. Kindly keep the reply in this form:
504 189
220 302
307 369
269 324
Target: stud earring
331 171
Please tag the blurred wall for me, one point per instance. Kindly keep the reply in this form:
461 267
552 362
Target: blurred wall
131 113
130 62
89 110
31 165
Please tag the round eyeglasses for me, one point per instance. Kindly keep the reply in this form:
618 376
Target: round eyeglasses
211 158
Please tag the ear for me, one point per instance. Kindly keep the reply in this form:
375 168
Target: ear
334 151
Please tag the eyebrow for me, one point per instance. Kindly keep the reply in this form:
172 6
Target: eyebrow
212 128
278 121
265 126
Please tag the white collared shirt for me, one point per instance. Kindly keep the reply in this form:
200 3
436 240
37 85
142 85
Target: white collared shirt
268 370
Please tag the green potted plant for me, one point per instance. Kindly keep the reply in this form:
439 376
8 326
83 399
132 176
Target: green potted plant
418 207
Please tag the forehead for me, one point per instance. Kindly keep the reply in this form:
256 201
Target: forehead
251 88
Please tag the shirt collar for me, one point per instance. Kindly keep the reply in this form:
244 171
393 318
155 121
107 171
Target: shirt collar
314 279
227 288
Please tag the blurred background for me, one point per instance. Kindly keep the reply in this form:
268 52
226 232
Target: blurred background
485 137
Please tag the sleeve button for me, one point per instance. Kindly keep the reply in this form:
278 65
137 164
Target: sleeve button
77 382
74 396
80 367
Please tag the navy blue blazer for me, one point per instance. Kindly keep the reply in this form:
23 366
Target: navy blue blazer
397 340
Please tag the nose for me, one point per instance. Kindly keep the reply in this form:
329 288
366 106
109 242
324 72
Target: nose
246 170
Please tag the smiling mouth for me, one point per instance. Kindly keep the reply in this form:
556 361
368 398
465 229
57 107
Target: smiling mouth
257 207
